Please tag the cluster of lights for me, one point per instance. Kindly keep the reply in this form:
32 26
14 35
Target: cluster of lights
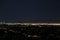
31 23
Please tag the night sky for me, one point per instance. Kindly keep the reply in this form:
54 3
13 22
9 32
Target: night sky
29 10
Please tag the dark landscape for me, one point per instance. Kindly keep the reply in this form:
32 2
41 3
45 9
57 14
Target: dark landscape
31 32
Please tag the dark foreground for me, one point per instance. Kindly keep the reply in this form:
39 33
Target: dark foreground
21 32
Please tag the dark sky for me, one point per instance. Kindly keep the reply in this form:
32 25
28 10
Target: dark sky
29 10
